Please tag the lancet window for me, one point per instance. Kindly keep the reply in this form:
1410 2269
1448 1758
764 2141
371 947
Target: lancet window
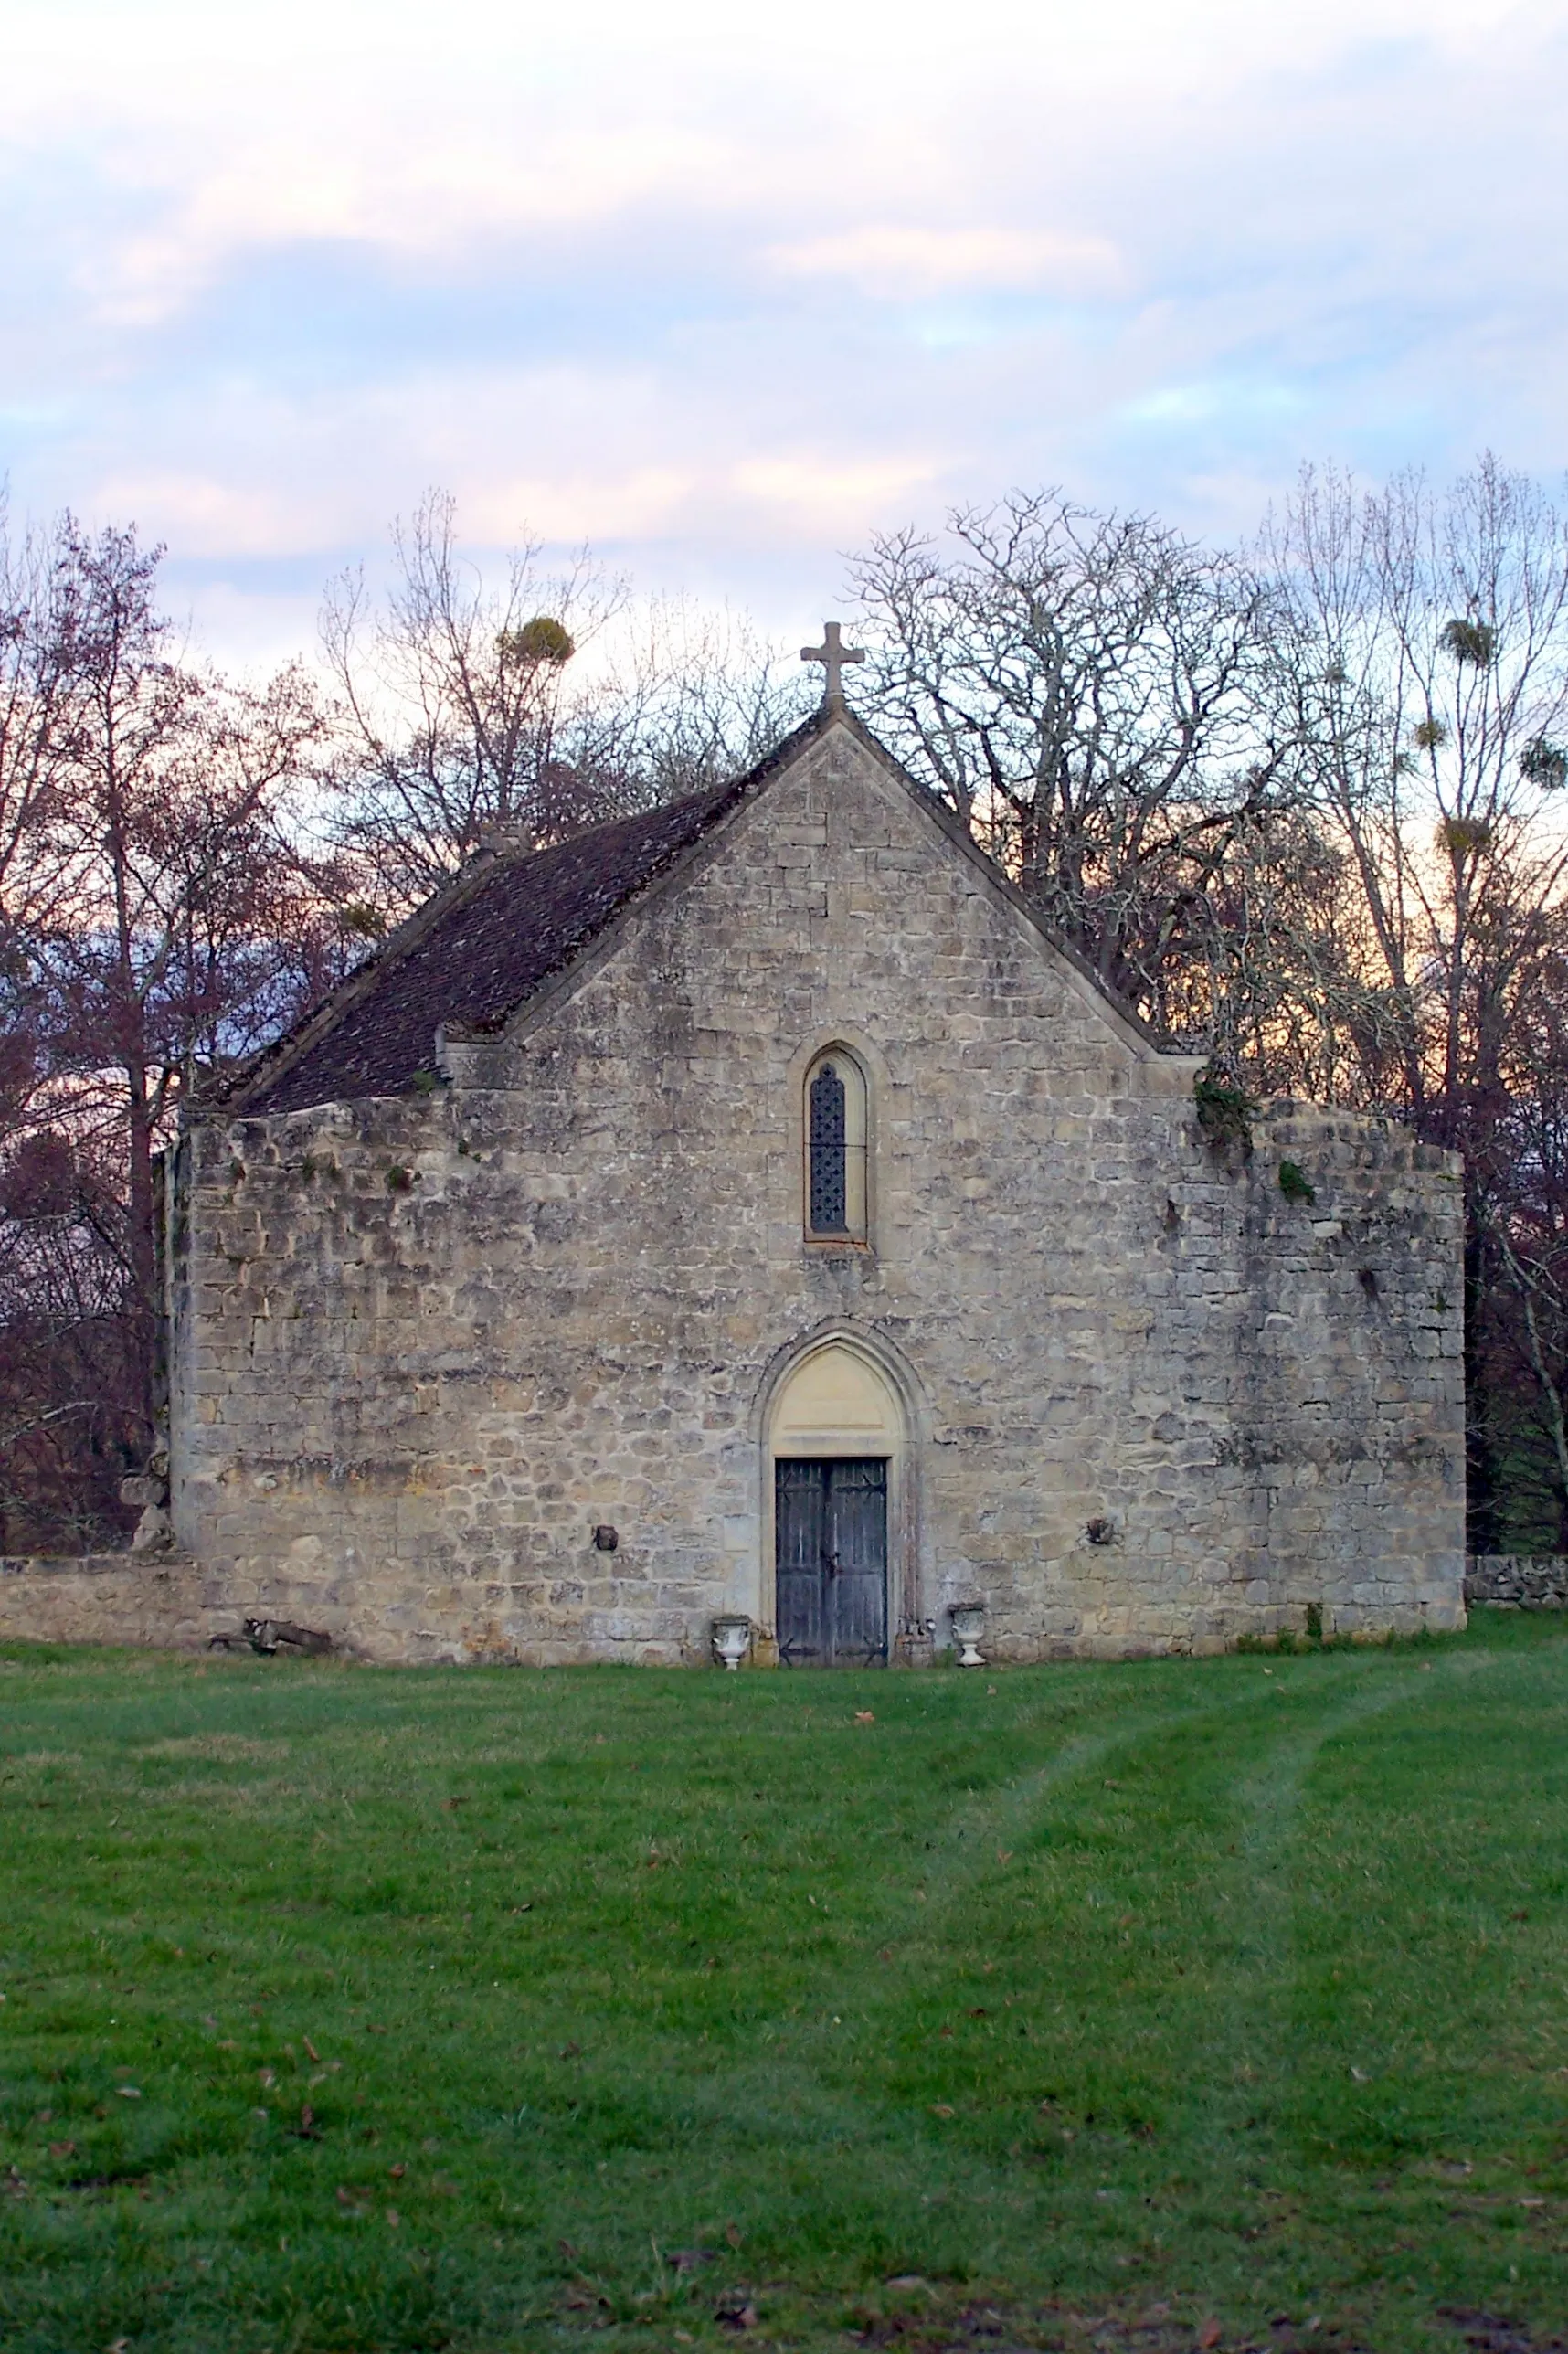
835 1126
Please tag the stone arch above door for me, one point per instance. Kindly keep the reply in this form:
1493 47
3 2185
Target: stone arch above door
842 1397
835 1401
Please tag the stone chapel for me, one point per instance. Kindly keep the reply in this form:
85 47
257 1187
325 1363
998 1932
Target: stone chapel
748 1209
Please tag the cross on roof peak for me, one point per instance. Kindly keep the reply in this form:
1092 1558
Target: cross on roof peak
832 653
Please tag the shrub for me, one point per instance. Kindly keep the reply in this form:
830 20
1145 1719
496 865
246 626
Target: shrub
1224 1113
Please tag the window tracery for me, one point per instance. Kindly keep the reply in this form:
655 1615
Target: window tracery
835 1126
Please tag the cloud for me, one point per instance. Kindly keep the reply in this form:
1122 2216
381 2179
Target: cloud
205 516
897 265
571 508
1178 404
724 298
816 494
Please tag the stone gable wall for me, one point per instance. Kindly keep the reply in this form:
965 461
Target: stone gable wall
423 1347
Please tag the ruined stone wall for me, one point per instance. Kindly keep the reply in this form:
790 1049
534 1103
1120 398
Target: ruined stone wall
424 1347
1517 1581
163 1600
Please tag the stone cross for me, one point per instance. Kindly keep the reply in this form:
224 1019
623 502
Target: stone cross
832 654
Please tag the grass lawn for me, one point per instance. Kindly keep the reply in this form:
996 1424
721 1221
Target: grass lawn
1162 2005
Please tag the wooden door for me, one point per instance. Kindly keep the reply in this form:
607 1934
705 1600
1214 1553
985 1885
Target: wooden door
832 1556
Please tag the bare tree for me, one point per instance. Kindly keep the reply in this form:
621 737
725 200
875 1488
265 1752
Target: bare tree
167 854
683 698
533 705
450 700
1082 690
37 741
1421 655
157 918
1519 1345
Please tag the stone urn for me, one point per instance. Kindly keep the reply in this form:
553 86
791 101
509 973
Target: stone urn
969 1625
732 1640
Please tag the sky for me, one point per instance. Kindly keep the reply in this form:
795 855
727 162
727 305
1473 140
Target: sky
722 291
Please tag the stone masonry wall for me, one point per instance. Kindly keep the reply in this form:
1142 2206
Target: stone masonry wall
161 1599
1517 1581
424 1346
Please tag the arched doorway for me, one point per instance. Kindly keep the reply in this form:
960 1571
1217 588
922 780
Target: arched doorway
836 1458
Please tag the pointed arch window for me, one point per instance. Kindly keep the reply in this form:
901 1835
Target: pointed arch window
835 1129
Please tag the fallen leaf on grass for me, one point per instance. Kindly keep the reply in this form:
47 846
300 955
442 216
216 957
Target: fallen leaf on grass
567 2247
307 2129
907 2280
1004 1855
347 2198
311 2051
120 2346
885 1954
376 2031
1210 2334
1361 2076
393 2217
732 2233
865 1716
940 2109
397 2172
129 2092
570 2051
687 2260
736 2317
62 2149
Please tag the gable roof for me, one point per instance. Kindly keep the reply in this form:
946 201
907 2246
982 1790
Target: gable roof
487 941
477 948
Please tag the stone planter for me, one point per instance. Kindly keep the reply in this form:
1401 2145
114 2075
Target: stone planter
969 1625
732 1640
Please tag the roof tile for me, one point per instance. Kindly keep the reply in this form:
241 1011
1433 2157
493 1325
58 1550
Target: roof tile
504 931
